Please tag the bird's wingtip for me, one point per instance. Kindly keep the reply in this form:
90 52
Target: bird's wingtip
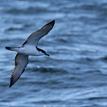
8 48
10 85
11 82
52 22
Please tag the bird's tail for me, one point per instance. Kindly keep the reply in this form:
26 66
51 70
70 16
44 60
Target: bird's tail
12 48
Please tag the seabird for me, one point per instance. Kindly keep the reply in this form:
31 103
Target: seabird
29 47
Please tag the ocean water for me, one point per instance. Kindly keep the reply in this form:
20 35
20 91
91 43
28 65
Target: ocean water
75 74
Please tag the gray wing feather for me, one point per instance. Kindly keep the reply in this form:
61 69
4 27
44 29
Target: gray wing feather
21 62
37 35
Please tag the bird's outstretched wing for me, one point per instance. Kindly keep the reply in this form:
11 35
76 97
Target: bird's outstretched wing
21 62
37 35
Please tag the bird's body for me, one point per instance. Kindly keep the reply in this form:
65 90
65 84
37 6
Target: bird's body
29 47
27 50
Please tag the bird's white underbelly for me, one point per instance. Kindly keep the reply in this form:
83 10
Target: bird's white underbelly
29 50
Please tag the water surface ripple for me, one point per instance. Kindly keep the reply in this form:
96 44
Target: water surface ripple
75 74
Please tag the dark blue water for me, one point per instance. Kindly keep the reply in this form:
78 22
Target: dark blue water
75 74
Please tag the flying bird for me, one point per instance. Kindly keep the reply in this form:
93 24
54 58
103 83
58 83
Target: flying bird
29 47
